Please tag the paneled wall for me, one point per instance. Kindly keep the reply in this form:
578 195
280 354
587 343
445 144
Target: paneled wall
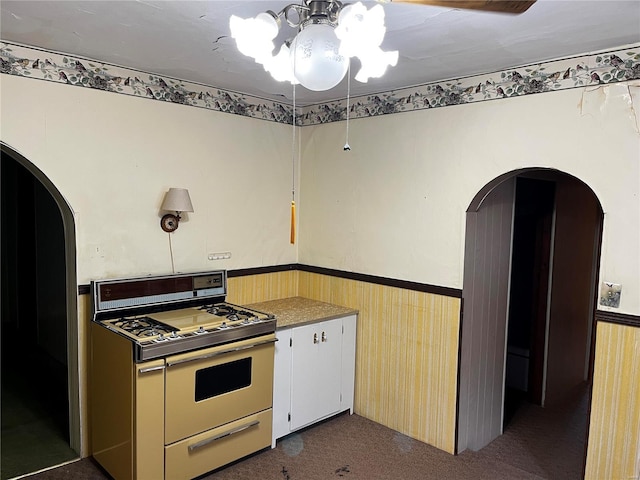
262 287
407 348
406 355
407 361
614 433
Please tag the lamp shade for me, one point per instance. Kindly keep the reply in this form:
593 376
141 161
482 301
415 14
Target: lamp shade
177 200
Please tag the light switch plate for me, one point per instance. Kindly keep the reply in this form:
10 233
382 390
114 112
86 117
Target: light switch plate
610 294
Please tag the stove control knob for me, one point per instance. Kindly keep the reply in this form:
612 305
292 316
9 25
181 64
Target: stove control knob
223 325
201 330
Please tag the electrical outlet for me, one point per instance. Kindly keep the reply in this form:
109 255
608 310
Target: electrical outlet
219 256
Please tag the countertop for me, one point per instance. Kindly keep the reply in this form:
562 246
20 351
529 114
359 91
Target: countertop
294 311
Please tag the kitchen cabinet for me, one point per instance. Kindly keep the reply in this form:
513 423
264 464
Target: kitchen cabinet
314 373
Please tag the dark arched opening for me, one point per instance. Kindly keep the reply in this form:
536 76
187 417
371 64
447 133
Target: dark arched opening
39 328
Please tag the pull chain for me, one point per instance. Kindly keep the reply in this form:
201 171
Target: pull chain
293 170
346 147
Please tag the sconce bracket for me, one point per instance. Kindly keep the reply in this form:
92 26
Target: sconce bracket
169 222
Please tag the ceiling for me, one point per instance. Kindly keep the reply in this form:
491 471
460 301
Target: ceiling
189 40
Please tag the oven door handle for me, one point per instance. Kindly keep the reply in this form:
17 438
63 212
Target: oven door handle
221 352
233 431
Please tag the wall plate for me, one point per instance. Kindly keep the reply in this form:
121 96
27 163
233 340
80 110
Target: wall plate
219 256
610 294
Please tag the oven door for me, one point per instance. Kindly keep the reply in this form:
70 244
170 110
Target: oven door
214 386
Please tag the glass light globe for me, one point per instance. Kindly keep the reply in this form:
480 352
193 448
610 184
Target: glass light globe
315 58
254 36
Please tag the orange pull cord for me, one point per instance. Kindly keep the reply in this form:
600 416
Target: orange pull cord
293 222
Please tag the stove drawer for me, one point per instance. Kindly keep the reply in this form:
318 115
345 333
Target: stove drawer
207 451
211 387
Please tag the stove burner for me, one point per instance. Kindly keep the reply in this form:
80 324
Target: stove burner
231 313
129 324
222 310
144 326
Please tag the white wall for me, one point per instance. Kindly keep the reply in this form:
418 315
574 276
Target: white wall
112 157
395 204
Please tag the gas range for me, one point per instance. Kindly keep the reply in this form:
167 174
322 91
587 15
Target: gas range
165 315
183 380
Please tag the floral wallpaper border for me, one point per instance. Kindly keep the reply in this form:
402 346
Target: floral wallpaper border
618 65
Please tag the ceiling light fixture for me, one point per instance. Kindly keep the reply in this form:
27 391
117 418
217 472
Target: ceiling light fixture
328 34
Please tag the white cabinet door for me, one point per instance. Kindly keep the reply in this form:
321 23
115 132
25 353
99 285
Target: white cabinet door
281 386
315 379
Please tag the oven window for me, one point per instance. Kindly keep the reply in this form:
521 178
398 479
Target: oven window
224 378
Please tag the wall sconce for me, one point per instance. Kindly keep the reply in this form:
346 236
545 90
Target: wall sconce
177 200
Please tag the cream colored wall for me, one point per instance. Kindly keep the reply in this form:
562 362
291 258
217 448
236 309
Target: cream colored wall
112 157
394 206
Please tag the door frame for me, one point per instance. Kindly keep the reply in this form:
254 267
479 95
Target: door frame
474 206
71 301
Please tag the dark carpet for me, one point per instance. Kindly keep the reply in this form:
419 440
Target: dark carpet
538 444
34 415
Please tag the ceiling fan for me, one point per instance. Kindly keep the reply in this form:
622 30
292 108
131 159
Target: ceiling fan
502 6
328 33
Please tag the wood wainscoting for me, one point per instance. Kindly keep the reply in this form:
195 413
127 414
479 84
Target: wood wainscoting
407 343
261 287
613 449
406 354
407 358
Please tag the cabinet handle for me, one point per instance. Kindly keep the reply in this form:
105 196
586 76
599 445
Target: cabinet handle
324 337
315 338
233 431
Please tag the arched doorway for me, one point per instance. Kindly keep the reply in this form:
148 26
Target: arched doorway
556 340
39 328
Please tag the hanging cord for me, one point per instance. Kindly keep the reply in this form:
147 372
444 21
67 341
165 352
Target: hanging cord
293 170
173 269
347 147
